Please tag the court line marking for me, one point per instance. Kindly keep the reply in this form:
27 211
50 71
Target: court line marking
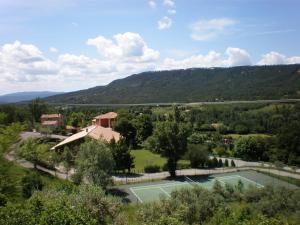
241 177
227 177
165 192
158 185
136 195
260 185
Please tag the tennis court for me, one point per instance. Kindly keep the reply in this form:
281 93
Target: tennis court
152 192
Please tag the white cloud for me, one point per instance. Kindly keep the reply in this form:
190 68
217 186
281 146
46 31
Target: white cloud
164 23
237 57
53 50
152 4
232 57
128 47
273 58
172 11
24 67
204 30
24 62
169 3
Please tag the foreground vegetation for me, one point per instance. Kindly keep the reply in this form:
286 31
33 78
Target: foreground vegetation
167 138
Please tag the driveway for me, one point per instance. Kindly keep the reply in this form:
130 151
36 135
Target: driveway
28 134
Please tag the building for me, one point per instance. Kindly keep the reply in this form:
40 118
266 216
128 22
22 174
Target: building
52 120
99 130
105 120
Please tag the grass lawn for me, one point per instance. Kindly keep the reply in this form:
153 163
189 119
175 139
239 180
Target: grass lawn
238 136
145 158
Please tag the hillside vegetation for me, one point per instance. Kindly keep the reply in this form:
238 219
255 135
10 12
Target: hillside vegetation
192 85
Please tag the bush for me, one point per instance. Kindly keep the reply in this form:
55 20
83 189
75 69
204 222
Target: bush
3 200
198 155
232 163
31 183
214 162
152 169
226 164
181 166
220 163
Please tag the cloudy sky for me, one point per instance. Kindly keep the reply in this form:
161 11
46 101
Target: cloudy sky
65 45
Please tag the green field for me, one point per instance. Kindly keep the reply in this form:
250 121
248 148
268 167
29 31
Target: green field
145 158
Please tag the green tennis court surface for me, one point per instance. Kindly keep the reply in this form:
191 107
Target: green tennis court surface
152 192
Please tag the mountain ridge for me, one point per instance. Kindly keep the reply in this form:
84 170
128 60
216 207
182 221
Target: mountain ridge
193 85
26 96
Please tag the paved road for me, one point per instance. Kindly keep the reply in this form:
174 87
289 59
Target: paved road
27 134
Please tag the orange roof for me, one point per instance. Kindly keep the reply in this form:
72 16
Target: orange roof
51 116
109 115
95 132
49 123
104 133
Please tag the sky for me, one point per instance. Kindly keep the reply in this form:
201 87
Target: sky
67 45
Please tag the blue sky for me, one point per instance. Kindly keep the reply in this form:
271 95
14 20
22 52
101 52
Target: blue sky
66 45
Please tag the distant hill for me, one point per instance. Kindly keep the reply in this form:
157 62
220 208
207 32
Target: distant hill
25 96
193 85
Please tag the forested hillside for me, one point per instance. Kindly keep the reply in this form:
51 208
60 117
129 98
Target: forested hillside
192 85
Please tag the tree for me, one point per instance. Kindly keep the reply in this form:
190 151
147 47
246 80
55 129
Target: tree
226 164
31 151
30 183
3 200
77 119
127 130
144 127
36 108
95 163
3 117
214 162
288 143
177 116
198 155
122 156
220 163
68 159
170 140
250 148
232 163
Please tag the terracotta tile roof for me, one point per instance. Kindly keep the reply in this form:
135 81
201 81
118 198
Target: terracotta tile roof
51 116
50 123
104 133
109 115
96 132
75 137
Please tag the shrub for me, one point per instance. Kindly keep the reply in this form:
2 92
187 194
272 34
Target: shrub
3 200
226 164
198 155
232 163
31 183
152 169
220 163
214 162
